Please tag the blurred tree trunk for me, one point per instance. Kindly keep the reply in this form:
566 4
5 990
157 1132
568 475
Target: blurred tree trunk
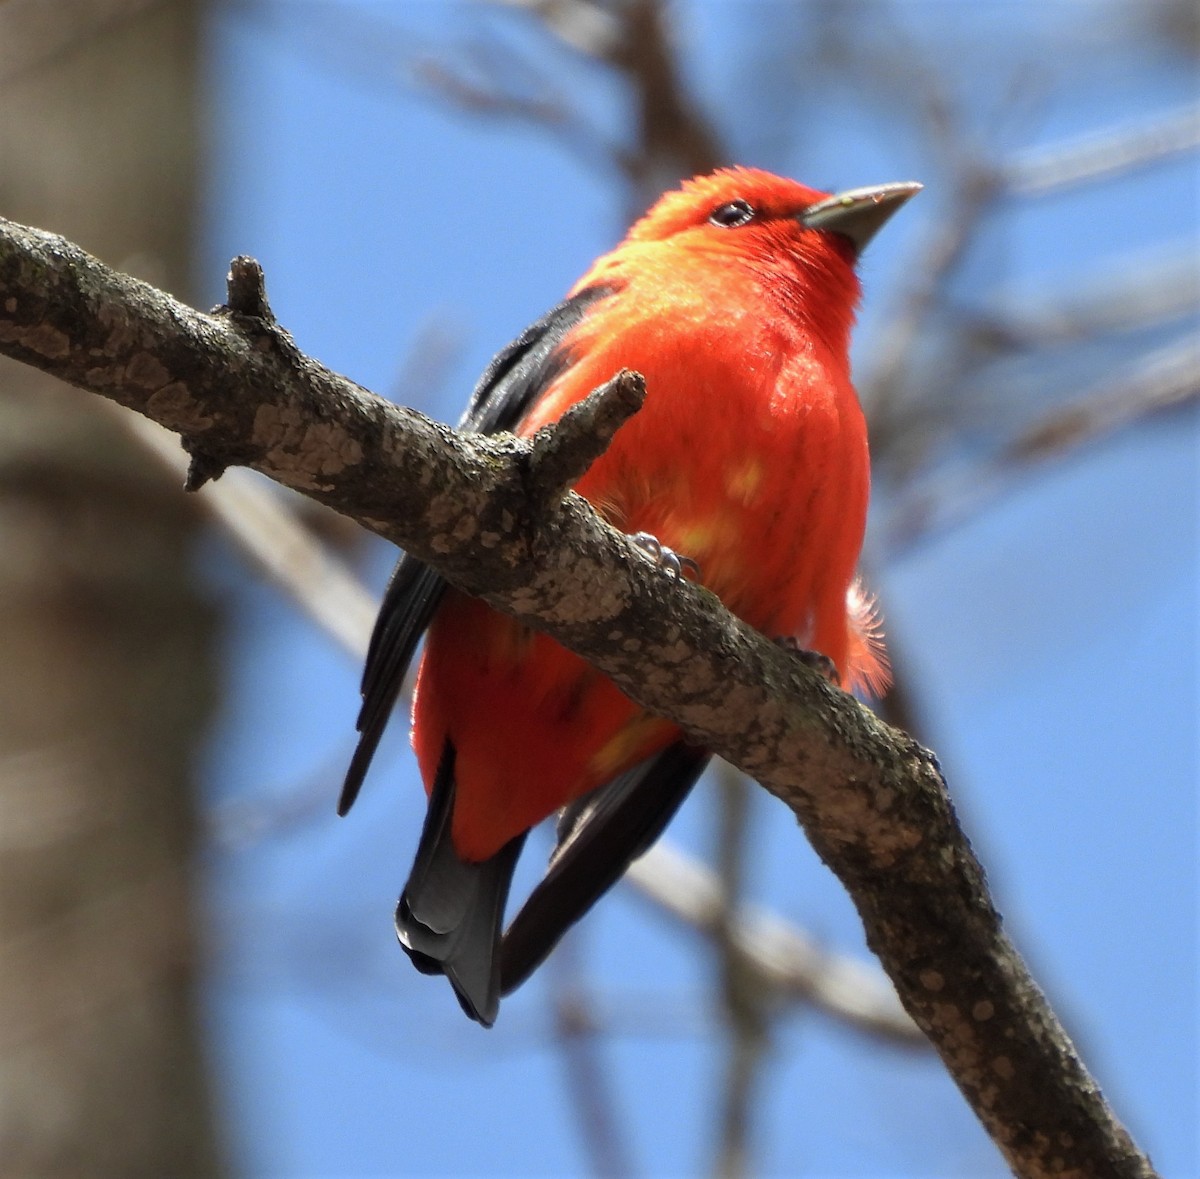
106 672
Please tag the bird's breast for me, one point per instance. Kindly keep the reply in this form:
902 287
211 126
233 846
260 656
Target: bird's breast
749 444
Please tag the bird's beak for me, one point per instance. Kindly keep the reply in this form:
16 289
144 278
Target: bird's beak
859 213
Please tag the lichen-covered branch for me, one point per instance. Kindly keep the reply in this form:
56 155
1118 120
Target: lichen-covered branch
790 963
871 800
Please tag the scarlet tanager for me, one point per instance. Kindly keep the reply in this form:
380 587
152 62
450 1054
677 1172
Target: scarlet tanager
734 297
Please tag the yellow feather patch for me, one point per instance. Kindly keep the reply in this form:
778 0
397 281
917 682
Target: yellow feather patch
744 482
628 742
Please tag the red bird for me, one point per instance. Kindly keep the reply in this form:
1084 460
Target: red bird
734 297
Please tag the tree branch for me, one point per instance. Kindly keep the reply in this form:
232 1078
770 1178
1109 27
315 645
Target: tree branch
871 800
794 966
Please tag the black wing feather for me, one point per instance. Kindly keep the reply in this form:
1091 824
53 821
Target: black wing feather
412 596
598 837
519 373
507 388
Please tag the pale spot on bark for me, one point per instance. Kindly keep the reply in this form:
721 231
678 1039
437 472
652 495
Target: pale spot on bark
524 601
465 529
175 407
302 452
115 320
272 424
146 371
43 339
442 510
677 652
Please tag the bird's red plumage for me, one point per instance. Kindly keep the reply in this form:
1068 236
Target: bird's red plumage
749 456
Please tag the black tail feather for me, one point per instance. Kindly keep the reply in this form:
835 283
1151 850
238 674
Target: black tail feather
451 912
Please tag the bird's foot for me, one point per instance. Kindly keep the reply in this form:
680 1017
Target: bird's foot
817 660
665 558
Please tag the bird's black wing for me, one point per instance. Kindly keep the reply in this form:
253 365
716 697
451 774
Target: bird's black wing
598 837
519 373
508 387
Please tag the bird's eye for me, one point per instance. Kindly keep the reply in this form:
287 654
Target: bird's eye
732 215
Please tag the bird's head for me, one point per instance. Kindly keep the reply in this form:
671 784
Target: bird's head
800 245
792 245
747 208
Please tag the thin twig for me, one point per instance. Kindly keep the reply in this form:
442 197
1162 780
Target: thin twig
577 1034
1103 155
792 964
1140 291
745 1002
1156 383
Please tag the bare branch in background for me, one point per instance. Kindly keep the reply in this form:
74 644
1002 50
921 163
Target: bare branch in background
1175 22
794 965
482 92
1103 155
1148 291
1151 384
888 372
275 540
426 369
746 1004
1162 380
673 138
925 376
969 193
580 1042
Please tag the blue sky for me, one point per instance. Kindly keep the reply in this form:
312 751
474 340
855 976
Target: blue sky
1051 637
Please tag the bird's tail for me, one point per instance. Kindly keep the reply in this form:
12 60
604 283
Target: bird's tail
450 913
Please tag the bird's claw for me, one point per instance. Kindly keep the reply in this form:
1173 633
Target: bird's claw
665 558
817 660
